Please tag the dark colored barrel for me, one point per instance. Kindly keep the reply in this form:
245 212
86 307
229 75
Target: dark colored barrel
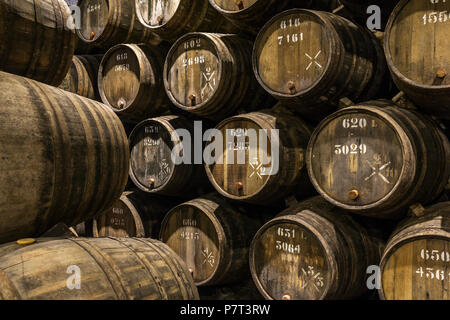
416 45
378 159
313 251
312 59
95 269
171 19
210 75
64 157
35 41
131 83
363 10
416 262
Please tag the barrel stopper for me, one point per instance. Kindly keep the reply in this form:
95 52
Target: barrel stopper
353 194
291 87
160 20
441 73
286 297
121 103
192 99
92 35
239 185
151 183
239 4
26 241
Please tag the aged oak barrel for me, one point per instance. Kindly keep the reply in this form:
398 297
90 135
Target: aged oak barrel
152 168
105 23
260 166
377 159
210 75
64 157
82 76
171 19
312 59
416 262
360 12
417 46
134 215
35 41
312 251
130 81
212 236
95 269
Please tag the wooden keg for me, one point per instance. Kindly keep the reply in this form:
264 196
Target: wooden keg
82 76
312 251
416 262
359 9
171 19
312 59
105 23
104 269
261 167
134 215
212 236
64 157
210 75
417 45
35 41
377 159
130 81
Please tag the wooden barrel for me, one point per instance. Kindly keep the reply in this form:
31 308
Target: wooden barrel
210 75
261 168
212 236
82 76
105 23
134 215
312 251
358 9
377 159
130 81
312 59
152 168
104 268
416 262
35 41
171 19
416 46
64 157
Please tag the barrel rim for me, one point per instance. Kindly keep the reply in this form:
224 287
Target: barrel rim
97 39
149 26
229 12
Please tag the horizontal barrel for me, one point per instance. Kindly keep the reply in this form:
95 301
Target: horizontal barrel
311 59
210 75
64 157
131 83
312 251
95 269
35 40
378 159
416 46
416 262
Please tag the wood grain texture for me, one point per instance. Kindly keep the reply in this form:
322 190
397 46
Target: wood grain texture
35 41
312 251
110 269
416 46
377 159
64 157
416 262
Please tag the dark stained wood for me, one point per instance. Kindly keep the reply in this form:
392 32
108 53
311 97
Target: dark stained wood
110 269
377 159
35 41
416 262
358 9
131 82
312 59
417 46
64 157
312 251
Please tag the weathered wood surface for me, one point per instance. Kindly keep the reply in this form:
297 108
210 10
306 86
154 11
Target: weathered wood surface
64 157
110 269
312 251
210 75
248 171
212 236
416 262
131 82
417 46
171 19
35 41
378 159
312 59
359 8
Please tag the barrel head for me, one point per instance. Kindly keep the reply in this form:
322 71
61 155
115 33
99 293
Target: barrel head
94 16
119 221
234 5
156 13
